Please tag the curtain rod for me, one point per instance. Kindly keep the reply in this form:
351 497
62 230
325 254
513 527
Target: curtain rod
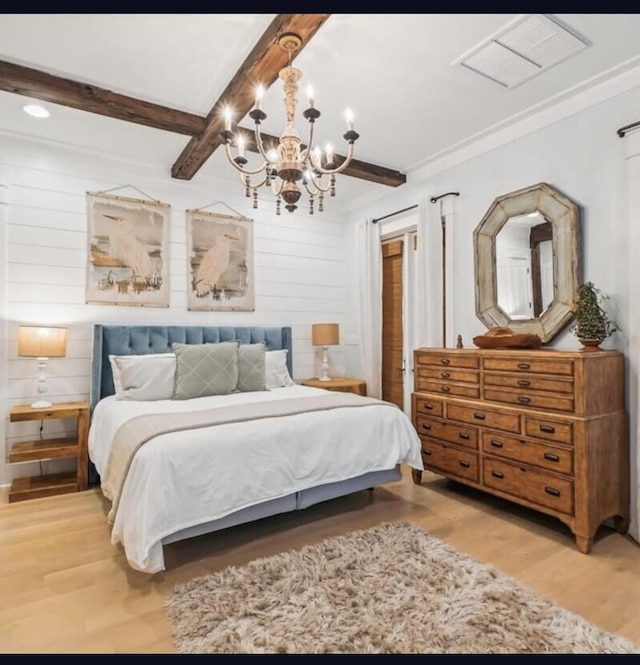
435 198
623 130
391 214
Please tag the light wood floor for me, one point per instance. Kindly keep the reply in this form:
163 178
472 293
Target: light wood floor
65 589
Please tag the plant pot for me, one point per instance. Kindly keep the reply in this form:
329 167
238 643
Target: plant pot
591 344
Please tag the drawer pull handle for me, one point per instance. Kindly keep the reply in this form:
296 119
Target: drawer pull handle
496 444
426 426
523 366
552 490
479 416
445 389
551 457
445 375
524 400
497 474
548 429
464 463
463 435
429 406
426 451
445 361
524 382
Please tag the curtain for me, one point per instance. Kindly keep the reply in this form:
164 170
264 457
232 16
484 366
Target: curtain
632 141
369 295
428 277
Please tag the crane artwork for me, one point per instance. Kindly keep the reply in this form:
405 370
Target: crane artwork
126 247
213 265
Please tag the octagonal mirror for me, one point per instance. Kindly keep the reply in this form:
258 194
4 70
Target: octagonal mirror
527 261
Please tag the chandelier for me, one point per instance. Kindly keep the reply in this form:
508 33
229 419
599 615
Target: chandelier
291 166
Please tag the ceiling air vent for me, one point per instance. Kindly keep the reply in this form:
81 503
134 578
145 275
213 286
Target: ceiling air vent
527 47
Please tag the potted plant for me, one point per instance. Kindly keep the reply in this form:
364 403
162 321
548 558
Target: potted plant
592 324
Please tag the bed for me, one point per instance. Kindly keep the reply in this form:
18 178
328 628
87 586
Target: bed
293 447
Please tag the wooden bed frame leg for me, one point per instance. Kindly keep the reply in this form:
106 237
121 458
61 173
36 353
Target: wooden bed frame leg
417 476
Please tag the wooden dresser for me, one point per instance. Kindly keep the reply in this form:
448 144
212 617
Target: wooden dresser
543 428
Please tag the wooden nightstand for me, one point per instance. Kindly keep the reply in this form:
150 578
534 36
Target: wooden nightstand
41 449
343 385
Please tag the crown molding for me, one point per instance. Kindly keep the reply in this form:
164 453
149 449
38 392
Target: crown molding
598 89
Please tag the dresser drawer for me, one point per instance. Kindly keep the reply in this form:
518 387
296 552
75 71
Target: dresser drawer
559 366
530 452
461 435
447 374
538 487
456 389
428 406
480 415
530 398
548 429
444 359
517 381
450 460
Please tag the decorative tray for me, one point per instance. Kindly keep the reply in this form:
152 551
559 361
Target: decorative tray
505 338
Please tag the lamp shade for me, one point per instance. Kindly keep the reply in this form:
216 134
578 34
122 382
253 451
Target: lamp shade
42 341
325 334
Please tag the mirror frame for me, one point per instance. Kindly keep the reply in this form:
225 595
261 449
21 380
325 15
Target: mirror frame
564 215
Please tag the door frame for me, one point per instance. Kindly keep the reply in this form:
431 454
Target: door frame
405 227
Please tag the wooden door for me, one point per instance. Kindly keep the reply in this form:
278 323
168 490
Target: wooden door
392 330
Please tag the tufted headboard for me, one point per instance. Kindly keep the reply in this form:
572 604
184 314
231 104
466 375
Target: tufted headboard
125 340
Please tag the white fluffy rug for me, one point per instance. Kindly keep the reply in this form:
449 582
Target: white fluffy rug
390 589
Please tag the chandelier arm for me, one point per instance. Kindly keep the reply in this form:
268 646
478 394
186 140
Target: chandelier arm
252 185
337 169
319 187
227 150
277 193
308 151
260 145
311 192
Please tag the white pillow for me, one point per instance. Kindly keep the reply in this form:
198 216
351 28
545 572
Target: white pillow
276 371
146 377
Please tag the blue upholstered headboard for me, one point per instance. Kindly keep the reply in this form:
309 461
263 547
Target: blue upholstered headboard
125 340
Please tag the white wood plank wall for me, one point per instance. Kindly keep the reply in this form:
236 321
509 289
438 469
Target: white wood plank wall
300 270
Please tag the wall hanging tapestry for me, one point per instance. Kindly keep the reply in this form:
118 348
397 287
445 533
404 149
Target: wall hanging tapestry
128 244
393 588
220 262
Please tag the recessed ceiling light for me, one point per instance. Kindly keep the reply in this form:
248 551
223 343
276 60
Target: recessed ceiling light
36 110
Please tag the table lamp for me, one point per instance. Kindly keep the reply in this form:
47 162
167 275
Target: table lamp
42 342
325 335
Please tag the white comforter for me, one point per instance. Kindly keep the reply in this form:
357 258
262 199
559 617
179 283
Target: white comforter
180 480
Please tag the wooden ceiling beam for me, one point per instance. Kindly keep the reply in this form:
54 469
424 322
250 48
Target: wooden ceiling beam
41 85
85 97
261 66
356 169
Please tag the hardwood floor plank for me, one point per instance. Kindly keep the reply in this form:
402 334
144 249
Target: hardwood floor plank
66 589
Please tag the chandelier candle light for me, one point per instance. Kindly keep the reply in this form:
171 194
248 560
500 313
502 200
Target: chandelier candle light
290 162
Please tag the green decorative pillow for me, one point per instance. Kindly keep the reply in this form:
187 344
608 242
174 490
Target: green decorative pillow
251 368
205 369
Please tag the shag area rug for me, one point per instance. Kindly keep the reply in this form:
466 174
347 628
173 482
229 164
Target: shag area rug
389 589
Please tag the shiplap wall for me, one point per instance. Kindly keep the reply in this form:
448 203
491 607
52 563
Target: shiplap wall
300 270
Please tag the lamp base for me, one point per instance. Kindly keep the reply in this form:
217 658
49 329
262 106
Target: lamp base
41 404
325 365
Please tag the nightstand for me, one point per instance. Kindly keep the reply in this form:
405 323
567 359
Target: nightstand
343 385
46 449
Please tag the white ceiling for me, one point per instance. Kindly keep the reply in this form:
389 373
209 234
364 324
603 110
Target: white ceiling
395 71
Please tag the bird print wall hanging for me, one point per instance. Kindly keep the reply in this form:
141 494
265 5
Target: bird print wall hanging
220 262
128 262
